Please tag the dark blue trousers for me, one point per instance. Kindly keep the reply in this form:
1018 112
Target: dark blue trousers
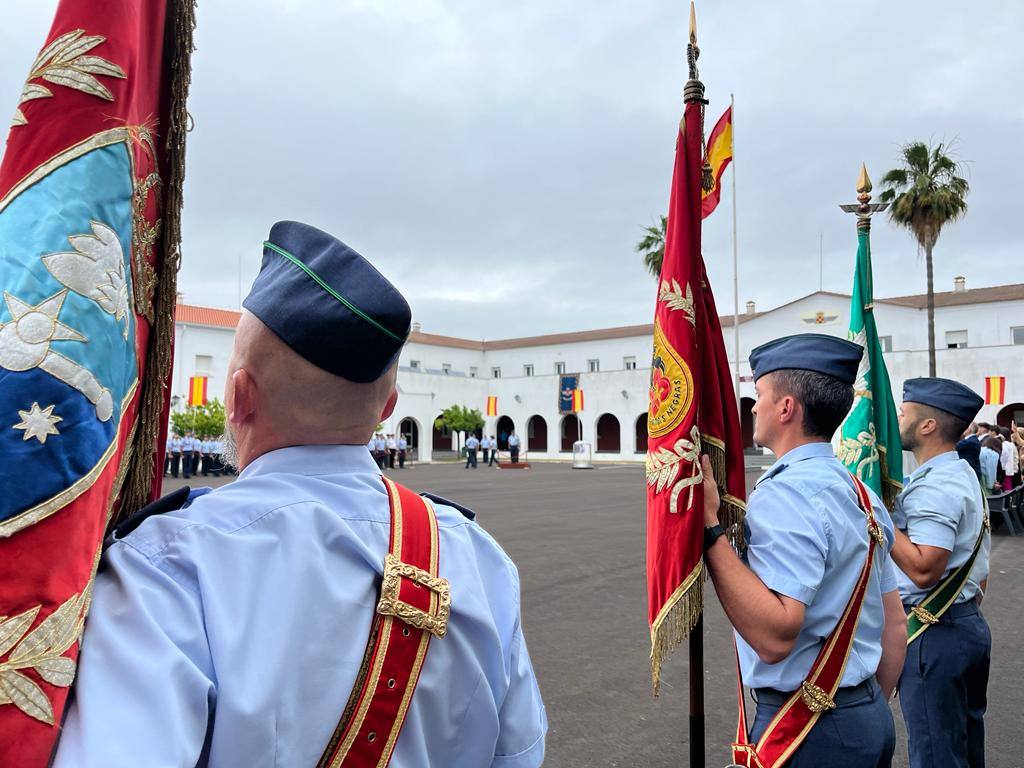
858 733
943 690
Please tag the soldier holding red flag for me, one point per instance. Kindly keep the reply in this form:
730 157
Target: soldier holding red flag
820 630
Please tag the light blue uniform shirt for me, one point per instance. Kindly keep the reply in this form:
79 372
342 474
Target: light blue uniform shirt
472 443
989 460
807 539
941 506
230 633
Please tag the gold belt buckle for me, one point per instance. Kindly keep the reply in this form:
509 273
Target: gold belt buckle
435 622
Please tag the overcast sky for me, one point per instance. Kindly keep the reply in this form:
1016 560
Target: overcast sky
497 160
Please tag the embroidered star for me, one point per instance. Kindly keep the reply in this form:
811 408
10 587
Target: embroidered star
38 422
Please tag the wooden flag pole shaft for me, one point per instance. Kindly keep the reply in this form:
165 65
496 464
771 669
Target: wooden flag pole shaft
697 694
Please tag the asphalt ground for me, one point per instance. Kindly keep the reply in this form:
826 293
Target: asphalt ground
577 537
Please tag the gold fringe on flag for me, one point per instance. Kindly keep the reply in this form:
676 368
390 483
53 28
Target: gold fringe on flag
675 621
178 48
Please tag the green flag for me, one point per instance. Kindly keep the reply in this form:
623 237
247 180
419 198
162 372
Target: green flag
869 439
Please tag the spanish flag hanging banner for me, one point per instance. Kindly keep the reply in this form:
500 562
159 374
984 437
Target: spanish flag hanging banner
995 390
718 156
577 400
492 405
197 390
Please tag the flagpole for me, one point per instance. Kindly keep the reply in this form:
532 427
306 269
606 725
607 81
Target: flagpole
694 91
735 254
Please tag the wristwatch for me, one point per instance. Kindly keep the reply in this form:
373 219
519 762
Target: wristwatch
711 534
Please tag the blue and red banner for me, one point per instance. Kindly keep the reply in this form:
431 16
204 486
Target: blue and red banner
89 204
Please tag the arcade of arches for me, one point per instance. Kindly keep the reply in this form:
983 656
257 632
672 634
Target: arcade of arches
608 434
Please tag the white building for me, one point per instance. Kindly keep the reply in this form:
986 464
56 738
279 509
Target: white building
979 332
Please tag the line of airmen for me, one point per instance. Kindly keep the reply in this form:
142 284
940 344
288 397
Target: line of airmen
189 455
918 630
386 450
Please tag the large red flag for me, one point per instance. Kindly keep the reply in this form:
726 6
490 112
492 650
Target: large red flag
692 411
90 199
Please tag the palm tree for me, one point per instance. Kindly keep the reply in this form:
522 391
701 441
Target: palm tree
652 247
927 192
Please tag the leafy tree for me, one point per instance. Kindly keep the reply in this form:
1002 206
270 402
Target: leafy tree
652 246
459 418
926 192
205 420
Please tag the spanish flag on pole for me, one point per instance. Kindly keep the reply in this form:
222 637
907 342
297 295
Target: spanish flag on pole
492 405
577 400
995 390
718 155
197 390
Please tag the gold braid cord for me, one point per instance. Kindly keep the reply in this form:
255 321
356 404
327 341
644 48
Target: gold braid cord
140 472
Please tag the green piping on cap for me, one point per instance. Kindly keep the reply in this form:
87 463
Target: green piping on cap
319 281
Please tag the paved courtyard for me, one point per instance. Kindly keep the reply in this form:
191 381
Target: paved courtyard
578 539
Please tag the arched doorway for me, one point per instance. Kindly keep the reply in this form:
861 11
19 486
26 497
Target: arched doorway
570 431
747 421
1014 412
504 429
441 438
608 440
536 434
640 434
409 429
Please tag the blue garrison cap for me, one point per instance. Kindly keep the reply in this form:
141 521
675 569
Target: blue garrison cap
945 394
328 303
815 352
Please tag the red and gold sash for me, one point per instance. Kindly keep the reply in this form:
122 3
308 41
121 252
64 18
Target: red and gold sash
794 720
414 604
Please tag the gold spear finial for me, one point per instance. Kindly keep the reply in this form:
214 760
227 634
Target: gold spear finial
863 182
693 24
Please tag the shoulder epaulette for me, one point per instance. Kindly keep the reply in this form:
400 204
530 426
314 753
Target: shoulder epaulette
169 503
469 514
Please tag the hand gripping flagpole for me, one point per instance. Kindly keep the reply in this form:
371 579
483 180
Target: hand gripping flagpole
693 92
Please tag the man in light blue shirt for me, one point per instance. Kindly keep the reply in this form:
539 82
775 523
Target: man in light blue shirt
940 516
472 443
230 632
807 544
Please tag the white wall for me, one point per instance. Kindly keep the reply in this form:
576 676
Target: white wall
423 395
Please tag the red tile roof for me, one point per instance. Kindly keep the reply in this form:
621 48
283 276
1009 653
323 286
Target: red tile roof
216 318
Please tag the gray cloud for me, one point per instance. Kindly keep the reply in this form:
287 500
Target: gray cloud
498 160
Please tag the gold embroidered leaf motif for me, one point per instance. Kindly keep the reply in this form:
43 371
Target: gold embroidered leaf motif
664 466
64 62
26 695
54 635
59 671
674 299
4 698
12 629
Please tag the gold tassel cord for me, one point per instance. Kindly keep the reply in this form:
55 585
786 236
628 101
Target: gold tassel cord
732 510
178 49
675 621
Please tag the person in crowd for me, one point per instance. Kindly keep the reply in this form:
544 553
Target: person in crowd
471 445
392 449
403 446
485 448
494 453
969 447
1010 460
989 460
513 446
177 444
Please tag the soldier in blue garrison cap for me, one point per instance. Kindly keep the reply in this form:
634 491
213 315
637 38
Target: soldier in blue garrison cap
941 551
807 544
235 631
